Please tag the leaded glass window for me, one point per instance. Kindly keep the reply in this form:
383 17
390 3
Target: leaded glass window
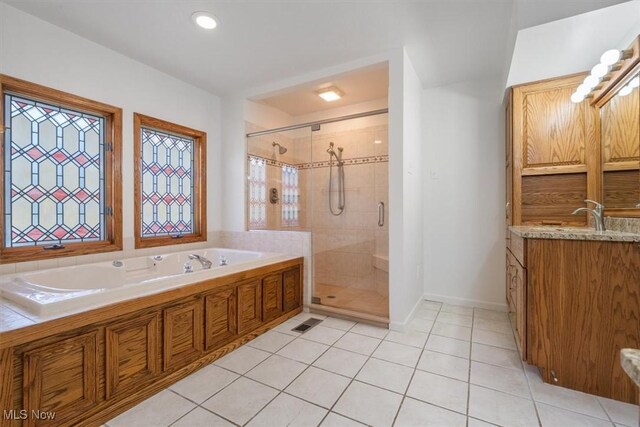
257 193
54 174
290 196
167 183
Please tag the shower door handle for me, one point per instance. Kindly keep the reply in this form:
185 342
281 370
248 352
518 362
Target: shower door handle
380 214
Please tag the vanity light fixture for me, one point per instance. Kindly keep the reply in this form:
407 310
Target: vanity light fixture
608 61
204 20
330 94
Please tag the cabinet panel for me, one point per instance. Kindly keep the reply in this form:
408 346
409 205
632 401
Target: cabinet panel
61 377
183 338
292 289
249 305
272 297
132 353
220 317
584 306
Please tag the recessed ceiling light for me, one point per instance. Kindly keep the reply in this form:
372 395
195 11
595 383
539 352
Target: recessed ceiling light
330 94
205 20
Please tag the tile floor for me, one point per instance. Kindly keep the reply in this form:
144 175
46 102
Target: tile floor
457 367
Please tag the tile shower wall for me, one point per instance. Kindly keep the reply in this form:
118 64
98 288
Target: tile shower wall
351 250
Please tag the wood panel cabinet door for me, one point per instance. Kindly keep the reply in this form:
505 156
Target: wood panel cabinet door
584 306
249 305
220 324
61 377
183 338
132 353
272 297
292 289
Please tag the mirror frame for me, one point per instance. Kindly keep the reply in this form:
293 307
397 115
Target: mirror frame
617 79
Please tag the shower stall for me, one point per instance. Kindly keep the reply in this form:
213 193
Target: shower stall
329 178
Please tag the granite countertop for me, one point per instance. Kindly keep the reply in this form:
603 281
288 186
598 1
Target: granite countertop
630 359
573 233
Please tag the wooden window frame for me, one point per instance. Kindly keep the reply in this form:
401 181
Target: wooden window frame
199 182
112 172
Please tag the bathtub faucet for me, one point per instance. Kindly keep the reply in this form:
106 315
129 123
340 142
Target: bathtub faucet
223 260
206 264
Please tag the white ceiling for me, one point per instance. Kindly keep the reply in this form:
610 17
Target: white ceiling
262 41
366 84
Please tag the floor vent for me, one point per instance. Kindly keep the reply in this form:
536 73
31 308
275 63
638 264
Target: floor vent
307 324
315 300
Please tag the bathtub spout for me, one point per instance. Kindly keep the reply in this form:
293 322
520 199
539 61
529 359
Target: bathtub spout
206 264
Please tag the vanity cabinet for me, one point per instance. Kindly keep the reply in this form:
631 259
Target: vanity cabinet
516 290
89 367
576 305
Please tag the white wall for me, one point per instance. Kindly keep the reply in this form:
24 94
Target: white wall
34 50
574 44
464 193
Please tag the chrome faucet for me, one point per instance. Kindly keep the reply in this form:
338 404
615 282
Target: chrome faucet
596 212
206 264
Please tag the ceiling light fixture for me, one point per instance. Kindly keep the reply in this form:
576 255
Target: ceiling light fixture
204 20
330 94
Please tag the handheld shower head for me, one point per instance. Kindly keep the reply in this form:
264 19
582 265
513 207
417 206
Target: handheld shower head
281 149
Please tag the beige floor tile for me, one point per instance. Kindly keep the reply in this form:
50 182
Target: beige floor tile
492 325
550 416
289 411
432 305
286 327
201 418
412 338
440 391
397 353
272 341
455 319
621 412
368 404
276 371
390 376
414 413
498 378
369 330
204 383
490 314
564 398
335 420
501 408
323 335
240 401
495 339
337 323
318 386
446 345
159 410
303 350
474 422
444 364
357 343
242 359
451 331
457 309
495 356
421 325
341 362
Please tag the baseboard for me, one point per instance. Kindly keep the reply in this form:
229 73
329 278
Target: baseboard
466 302
404 326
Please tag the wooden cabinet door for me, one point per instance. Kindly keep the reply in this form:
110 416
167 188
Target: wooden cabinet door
132 353
292 289
520 283
249 305
61 377
220 324
272 297
183 338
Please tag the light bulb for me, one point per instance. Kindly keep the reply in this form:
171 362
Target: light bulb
599 70
610 57
583 90
635 82
205 20
576 98
591 82
625 91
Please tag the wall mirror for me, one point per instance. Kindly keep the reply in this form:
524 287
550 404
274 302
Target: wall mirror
620 147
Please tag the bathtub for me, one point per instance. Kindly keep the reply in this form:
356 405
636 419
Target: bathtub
65 290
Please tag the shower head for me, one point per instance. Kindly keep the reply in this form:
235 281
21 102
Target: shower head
281 149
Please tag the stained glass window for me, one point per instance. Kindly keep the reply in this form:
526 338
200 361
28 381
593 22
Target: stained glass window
54 174
257 193
290 196
167 183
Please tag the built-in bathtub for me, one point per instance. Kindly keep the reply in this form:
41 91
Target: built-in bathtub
61 290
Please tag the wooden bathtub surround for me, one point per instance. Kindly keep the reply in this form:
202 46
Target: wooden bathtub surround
92 366
574 306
